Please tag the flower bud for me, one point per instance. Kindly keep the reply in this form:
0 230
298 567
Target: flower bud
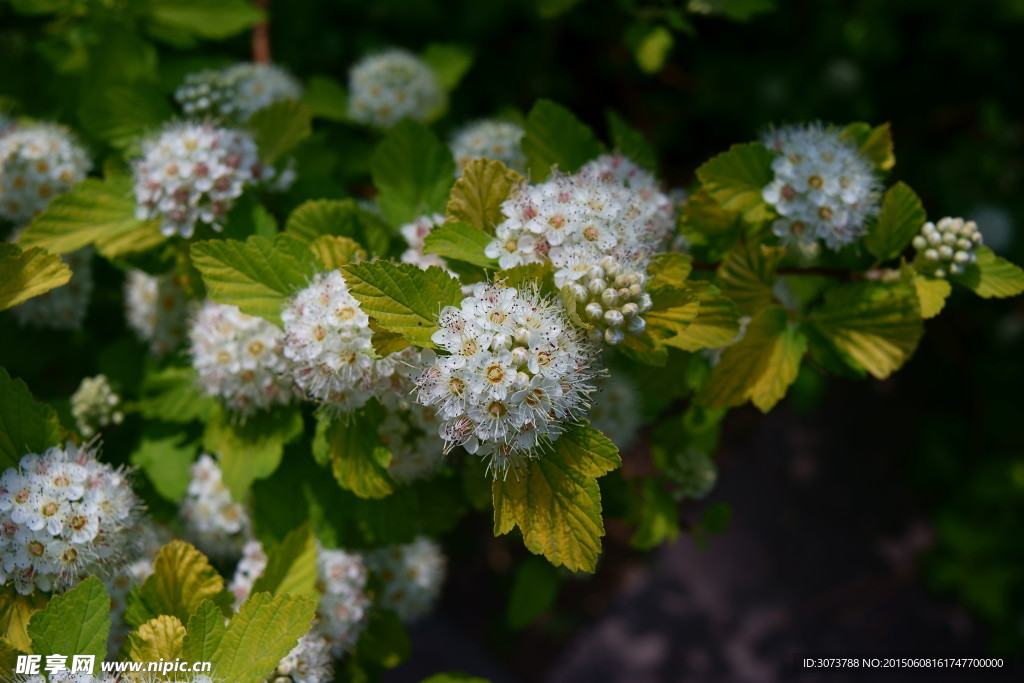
613 336
610 298
635 291
521 381
522 337
611 268
520 356
579 292
594 311
961 257
920 242
596 334
636 326
945 252
595 287
629 310
931 254
613 318
501 342
622 281
643 302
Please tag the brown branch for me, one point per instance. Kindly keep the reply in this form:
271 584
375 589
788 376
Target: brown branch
261 35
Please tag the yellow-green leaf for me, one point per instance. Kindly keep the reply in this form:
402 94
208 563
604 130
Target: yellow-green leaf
28 273
16 611
736 178
182 579
716 325
747 275
460 242
992 276
358 457
670 269
160 638
291 566
76 622
901 218
25 426
334 251
265 629
279 128
931 294
476 197
413 172
341 217
204 632
874 143
674 308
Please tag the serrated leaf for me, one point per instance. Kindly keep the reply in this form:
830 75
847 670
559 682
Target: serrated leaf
875 326
172 395
121 115
758 368
357 456
992 276
736 178
160 638
556 502
291 566
76 622
385 342
29 273
459 242
874 143
252 449
16 611
402 298
342 218
205 19
669 270
333 252
554 136
673 310
100 212
258 275
326 99
931 294
182 579
711 230
167 462
901 218
535 586
265 629
747 275
25 426
716 325
204 632
280 128
413 172
477 195
448 62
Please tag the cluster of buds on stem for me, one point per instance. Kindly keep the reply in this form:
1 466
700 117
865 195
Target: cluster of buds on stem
947 247
611 299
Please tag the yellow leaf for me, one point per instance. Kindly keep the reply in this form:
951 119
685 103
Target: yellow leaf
477 196
159 638
334 251
29 273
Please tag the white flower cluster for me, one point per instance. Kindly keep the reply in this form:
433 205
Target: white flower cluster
238 359
193 172
414 234
390 86
608 297
37 163
344 605
616 410
94 405
156 309
308 662
62 308
236 92
63 514
412 576
411 434
249 568
516 373
489 139
67 676
213 522
644 204
947 247
824 188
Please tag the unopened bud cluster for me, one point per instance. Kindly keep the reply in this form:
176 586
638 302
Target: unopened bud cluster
608 298
947 247
390 86
94 405
236 92
37 163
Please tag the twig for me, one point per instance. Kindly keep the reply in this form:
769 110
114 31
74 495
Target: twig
261 35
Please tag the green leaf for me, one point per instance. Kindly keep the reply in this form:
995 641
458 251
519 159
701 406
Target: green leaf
874 326
931 294
100 212
653 49
556 502
25 426
385 641
901 218
326 99
251 450
711 230
460 242
477 195
413 172
402 298
673 310
747 276
758 368
258 275
342 218
357 456
76 622
182 579
874 143
205 19
716 325
657 518
554 136
992 276
16 611
291 566
631 142
534 589
172 395
448 62
265 629
279 128
553 8
29 273
205 631
669 270
736 178
167 462
334 252
526 275
160 638
121 115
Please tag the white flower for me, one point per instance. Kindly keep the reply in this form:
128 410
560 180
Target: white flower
616 410
156 309
237 92
412 574
499 340
238 359
824 188
192 173
489 139
94 405
308 662
414 234
249 568
63 308
64 515
213 521
947 247
344 605
390 86
37 163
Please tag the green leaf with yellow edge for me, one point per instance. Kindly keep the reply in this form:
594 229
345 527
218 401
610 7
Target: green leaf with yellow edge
758 368
25 426
403 298
736 178
257 275
901 218
716 325
182 579
291 566
29 273
477 195
460 242
874 326
991 276
99 212
76 622
669 269
556 502
265 629
931 293
711 230
358 458
747 275
555 137
413 172
16 611
341 217
205 630
160 638
385 342
874 143
280 128
334 252
672 312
